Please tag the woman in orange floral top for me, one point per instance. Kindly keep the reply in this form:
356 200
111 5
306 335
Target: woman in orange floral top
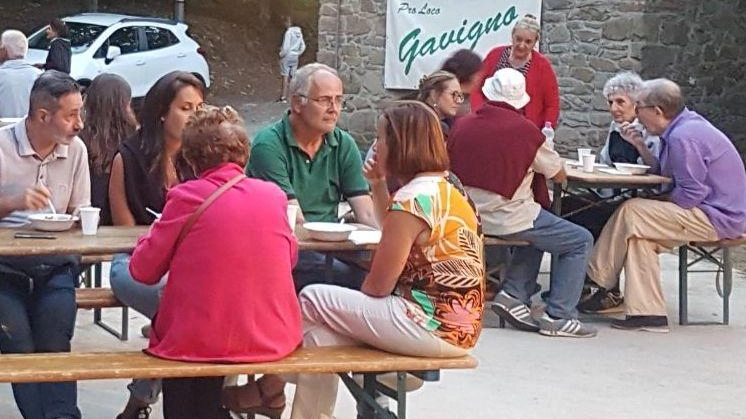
423 295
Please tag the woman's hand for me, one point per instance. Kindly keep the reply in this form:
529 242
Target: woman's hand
373 172
632 133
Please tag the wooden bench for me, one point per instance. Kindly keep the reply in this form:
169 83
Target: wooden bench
92 298
28 368
717 252
99 298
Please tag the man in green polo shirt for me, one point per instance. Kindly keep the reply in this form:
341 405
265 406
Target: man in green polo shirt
317 165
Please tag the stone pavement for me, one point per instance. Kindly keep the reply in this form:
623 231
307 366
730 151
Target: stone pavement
692 372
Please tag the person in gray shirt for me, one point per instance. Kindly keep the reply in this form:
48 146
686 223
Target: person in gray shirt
16 75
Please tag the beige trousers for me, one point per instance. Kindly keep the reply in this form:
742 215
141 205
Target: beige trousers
633 238
336 316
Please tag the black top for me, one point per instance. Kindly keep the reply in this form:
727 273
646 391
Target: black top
620 151
59 55
143 186
100 196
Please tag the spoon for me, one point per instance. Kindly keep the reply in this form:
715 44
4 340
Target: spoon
54 211
155 214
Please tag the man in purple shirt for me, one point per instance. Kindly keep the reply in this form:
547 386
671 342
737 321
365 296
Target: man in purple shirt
707 202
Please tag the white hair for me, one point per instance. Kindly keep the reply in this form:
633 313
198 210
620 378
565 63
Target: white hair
529 23
15 44
301 82
626 83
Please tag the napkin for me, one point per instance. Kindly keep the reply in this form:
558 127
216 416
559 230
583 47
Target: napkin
365 236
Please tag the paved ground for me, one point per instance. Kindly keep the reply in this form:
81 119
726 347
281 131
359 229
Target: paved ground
692 372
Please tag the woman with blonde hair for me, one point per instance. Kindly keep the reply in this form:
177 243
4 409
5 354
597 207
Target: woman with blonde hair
441 91
541 82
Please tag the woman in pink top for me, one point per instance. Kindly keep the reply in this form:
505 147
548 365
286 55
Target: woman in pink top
230 294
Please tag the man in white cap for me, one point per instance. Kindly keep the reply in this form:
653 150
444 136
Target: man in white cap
502 159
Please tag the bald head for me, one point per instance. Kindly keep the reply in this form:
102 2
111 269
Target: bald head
664 94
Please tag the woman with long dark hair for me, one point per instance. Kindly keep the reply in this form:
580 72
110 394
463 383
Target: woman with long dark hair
109 120
144 169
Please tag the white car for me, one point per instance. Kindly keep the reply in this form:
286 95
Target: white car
140 49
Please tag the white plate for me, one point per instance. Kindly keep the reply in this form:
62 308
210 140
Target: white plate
577 163
631 168
333 232
52 222
611 171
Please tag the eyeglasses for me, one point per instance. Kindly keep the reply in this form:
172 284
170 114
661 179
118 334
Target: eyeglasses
457 96
638 107
328 101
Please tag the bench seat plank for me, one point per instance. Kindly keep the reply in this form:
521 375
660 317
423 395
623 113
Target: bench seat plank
721 243
88 298
46 367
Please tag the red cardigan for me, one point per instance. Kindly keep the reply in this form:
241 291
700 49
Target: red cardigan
541 85
230 294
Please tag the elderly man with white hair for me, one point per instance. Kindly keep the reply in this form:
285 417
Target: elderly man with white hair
707 203
16 76
496 152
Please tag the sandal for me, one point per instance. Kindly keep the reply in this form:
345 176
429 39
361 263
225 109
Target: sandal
250 399
272 400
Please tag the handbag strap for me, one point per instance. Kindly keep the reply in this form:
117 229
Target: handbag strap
206 203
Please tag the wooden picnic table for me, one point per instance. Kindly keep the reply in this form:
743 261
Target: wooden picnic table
620 184
119 239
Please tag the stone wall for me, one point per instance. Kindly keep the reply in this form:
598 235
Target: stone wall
700 45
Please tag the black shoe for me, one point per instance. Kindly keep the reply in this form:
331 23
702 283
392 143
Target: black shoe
658 324
602 301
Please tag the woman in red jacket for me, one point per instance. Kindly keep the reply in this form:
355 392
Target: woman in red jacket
230 295
541 82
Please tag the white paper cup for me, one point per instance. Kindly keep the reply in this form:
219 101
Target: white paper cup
292 216
582 152
89 217
588 162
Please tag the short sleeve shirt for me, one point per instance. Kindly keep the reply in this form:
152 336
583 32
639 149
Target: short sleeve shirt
319 183
64 172
442 283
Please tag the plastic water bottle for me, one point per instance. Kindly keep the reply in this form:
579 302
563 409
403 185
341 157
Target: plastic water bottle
548 132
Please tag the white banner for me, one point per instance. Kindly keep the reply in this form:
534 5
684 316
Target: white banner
421 34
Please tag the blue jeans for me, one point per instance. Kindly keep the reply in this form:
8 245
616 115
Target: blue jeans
144 299
317 268
41 320
570 242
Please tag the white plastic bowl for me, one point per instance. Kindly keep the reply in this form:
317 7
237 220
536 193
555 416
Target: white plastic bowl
632 169
52 222
330 232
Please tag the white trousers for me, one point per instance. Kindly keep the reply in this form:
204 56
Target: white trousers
336 316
